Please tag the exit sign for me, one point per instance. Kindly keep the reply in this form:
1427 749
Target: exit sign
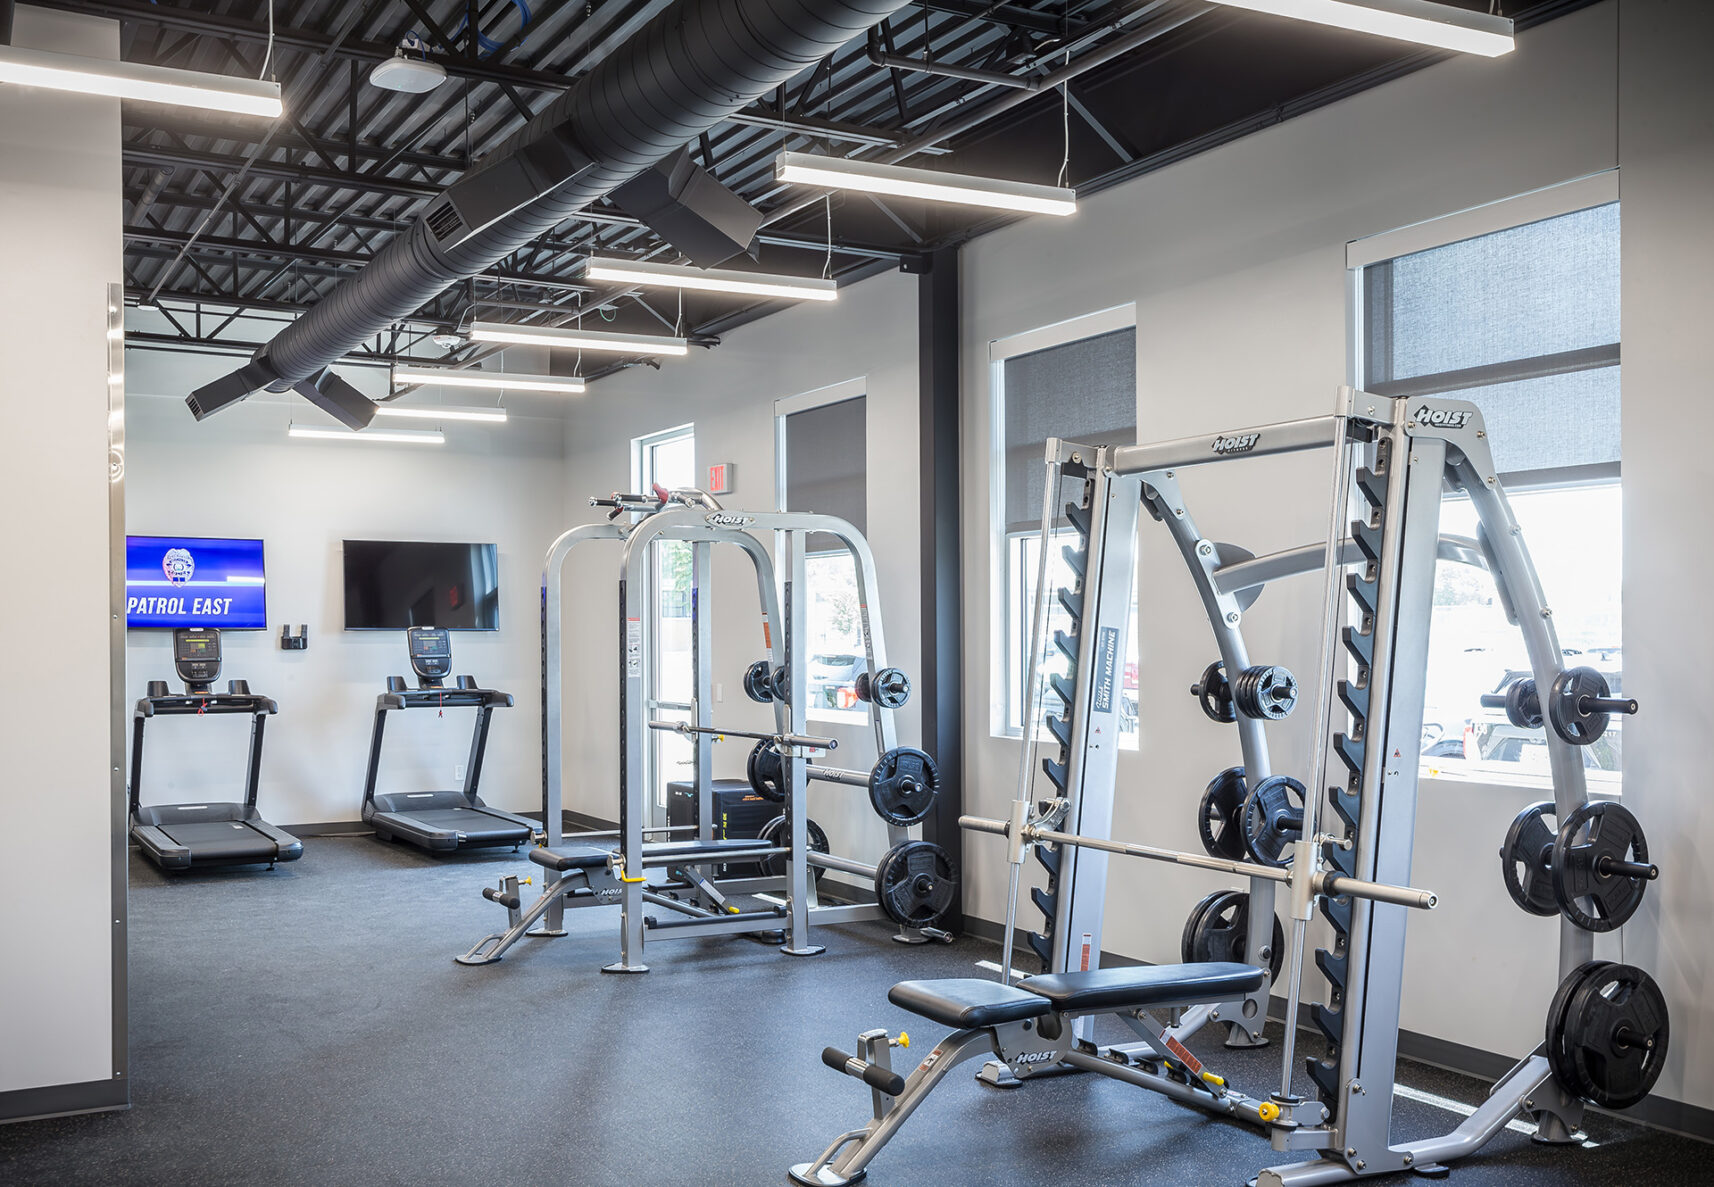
721 476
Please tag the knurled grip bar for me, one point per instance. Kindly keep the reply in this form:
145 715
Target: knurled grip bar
1332 885
796 741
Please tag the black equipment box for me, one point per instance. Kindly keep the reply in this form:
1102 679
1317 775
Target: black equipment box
738 813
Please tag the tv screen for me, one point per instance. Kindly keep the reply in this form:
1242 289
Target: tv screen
195 581
394 584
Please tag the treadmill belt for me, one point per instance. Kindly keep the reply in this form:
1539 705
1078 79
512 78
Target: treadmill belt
472 822
221 840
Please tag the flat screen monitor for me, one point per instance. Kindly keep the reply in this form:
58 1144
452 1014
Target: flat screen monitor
394 584
195 581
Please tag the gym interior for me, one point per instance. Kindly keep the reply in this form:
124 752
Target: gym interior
800 591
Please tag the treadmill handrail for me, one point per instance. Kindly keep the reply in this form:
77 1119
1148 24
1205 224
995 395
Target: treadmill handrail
448 698
187 703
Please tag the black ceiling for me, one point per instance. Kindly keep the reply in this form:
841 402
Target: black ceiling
303 203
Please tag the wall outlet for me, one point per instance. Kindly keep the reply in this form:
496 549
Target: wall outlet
458 772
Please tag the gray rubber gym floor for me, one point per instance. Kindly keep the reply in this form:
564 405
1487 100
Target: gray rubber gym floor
309 1026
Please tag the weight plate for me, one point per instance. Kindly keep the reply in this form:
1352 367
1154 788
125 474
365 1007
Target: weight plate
758 684
1558 1053
777 832
1220 815
1593 835
1273 819
1523 707
916 884
1565 705
1214 694
1219 930
780 684
766 772
1265 693
1614 1032
903 785
1525 860
891 688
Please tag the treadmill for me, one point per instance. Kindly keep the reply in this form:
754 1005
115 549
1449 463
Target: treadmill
196 836
439 821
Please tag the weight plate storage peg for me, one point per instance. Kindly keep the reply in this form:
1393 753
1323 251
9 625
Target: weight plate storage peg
1607 1034
1526 860
1214 694
1579 707
889 689
758 682
1600 866
1220 815
777 832
1218 929
1266 692
903 785
916 884
1273 819
766 772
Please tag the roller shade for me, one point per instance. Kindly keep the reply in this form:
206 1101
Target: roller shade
827 465
1080 391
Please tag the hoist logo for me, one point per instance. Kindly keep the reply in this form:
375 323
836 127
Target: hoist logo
727 519
1443 418
178 565
1029 1057
1236 443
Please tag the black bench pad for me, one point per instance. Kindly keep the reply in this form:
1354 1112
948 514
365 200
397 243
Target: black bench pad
1147 986
962 1002
577 857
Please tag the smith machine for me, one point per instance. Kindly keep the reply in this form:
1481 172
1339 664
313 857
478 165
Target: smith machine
1345 851
695 878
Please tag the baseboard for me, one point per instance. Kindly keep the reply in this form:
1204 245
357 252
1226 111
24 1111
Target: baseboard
328 828
60 1100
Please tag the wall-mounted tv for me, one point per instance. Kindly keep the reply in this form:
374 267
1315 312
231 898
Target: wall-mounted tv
394 584
195 581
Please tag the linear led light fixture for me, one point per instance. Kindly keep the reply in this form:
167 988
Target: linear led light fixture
711 280
136 80
401 436
961 188
495 381
1421 21
513 334
429 412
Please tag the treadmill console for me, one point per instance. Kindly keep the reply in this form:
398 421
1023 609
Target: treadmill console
196 655
431 654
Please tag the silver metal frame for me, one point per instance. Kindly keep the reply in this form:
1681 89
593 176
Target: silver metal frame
118 710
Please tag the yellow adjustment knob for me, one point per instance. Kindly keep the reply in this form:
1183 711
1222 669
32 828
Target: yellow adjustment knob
1211 1078
1268 1111
526 881
731 908
904 1039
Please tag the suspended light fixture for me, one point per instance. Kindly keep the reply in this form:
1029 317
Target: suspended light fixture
711 280
960 188
498 381
513 334
135 80
1422 21
421 412
400 436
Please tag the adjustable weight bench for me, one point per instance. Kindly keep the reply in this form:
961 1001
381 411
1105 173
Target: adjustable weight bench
1027 1027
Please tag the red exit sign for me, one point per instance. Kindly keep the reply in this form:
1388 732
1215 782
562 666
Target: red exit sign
721 476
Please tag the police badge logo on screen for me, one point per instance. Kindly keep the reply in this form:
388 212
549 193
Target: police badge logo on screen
178 565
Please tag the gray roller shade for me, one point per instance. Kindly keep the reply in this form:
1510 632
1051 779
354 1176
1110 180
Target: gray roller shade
827 465
1080 391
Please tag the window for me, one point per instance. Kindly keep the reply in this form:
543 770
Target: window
668 459
823 439
1078 381
1524 323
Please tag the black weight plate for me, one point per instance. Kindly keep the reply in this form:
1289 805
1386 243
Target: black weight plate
1214 694
1595 832
916 884
1616 1034
758 684
1558 1052
1273 819
1266 692
861 687
780 684
903 785
1523 707
1524 860
776 833
766 772
1565 705
1219 930
891 688
1220 815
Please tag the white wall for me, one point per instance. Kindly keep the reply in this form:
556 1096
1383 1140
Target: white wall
60 240
1235 260
729 394
238 474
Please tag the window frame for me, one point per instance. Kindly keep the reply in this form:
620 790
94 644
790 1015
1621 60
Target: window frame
1550 202
834 393
642 478
1001 673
